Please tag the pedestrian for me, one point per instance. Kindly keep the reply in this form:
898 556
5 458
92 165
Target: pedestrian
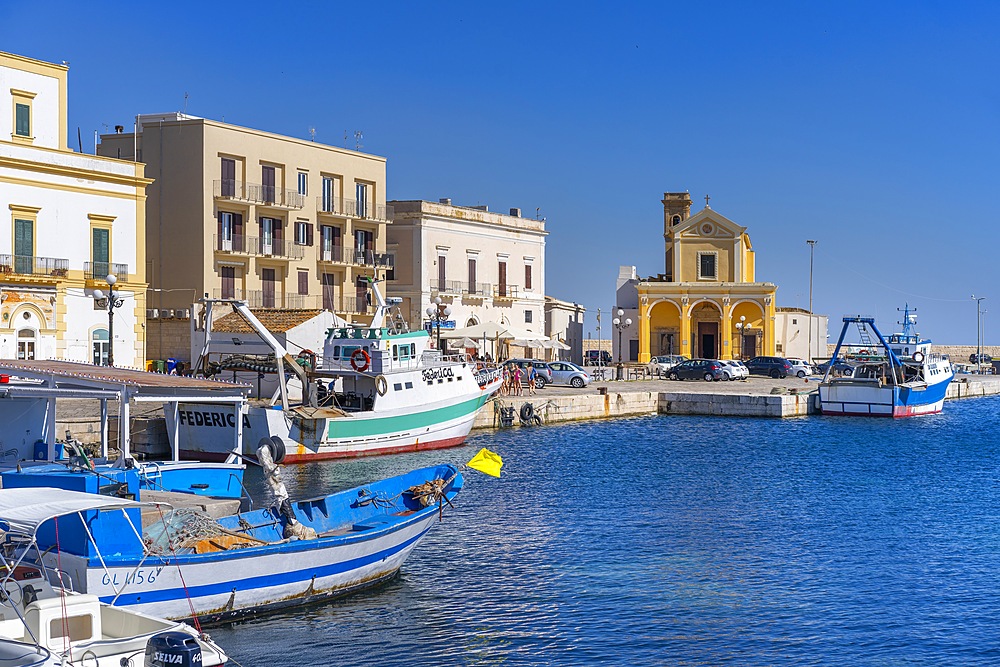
531 378
516 389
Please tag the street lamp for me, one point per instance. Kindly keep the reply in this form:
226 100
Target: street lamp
812 247
437 315
739 332
113 302
621 325
979 332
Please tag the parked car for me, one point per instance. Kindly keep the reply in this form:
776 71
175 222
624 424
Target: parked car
703 369
800 367
662 365
543 375
776 367
563 372
735 370
597 358
983 358
841 368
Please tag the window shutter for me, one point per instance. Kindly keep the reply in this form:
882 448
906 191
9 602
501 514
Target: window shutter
237 232
309 233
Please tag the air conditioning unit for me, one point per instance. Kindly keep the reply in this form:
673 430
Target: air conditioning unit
183 313
166 313
152 314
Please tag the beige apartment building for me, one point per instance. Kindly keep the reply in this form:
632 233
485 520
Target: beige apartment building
234 212
485 266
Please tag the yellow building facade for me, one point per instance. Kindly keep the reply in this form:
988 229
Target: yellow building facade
707 303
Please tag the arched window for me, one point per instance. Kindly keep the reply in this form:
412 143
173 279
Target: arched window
26 344
99 343
676 220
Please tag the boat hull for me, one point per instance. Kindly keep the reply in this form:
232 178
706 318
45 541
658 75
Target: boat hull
361 546
404 428
846 397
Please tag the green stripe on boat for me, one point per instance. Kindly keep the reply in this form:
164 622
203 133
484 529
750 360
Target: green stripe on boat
349 427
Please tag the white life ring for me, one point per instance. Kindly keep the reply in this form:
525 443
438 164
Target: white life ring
918 357
381 385
360 360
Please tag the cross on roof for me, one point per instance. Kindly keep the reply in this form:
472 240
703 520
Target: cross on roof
706 201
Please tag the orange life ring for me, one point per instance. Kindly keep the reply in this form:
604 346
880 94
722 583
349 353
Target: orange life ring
862 351
356 356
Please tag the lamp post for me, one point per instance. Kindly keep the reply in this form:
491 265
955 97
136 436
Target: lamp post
620 325
812 247
979 332
739 332
113 302
437 315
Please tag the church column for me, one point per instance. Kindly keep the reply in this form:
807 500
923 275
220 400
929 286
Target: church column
769 316
644 315
727 330
686 345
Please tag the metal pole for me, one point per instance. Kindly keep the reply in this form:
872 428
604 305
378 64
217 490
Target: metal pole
111 326
812 247
979 332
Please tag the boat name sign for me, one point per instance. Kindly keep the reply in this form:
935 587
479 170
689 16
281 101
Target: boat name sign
485 376
220 419
436 373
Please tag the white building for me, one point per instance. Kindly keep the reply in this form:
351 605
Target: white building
485 266
564 322
67 221
800 334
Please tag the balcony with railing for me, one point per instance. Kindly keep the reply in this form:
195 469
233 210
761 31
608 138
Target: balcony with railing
255 193
28 265
504 291
334 254
352 208
479 290
101 270
235 243
453 287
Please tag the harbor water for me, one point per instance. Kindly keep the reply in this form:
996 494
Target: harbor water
683 541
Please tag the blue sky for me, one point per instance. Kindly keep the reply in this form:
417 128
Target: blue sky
870 127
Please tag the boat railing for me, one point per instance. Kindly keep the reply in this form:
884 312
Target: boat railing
246 493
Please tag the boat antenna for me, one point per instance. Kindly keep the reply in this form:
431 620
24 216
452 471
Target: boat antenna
909 318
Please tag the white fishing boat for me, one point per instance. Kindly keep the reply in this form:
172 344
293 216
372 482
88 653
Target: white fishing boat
376 389
897 376
44 622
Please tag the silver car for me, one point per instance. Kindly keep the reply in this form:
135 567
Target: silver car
662 365
734 370
564 372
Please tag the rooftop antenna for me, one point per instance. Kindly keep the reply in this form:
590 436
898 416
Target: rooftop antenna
358 136
185 102
345 138
537 209
312 133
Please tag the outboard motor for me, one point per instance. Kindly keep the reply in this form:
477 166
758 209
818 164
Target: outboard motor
172 649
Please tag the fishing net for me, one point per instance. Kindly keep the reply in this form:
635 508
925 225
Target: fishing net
189 530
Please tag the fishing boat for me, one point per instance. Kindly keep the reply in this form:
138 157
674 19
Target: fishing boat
896 377
182 563
30 390
42 622
376 389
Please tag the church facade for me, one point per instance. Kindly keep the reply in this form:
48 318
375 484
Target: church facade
707 303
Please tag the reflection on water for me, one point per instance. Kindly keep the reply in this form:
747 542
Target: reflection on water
682 540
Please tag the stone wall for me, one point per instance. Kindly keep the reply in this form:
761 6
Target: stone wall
168 338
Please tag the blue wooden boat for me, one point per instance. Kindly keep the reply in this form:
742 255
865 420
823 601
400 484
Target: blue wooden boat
247 563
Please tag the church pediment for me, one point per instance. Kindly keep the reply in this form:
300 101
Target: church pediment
708 224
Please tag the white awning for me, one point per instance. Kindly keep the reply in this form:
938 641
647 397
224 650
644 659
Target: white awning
24 510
